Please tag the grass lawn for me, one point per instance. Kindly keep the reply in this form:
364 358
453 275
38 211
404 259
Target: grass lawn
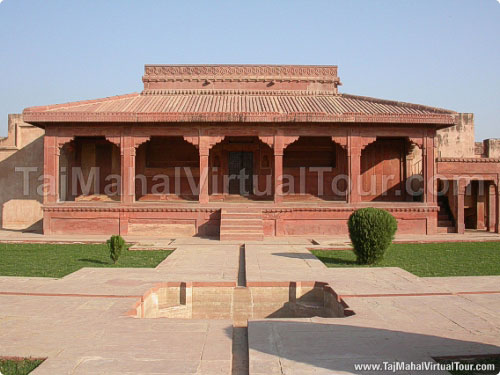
49 260
444 259
18 367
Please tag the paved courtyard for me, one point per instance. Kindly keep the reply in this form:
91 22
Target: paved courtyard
80 322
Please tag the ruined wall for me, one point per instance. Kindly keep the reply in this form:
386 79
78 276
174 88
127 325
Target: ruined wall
492 148
20 205
457 141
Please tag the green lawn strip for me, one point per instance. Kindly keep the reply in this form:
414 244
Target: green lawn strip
58 260
18 366
473 361
426 260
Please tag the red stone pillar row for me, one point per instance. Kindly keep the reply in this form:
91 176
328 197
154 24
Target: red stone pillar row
430 183
354 148
492 207
204 151
429 163
51 153
481 206
127 149
459 189
279 147
498 208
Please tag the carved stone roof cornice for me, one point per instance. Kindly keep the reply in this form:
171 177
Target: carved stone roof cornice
468 160
241 73
174 92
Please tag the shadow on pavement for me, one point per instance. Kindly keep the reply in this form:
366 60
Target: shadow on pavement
295 347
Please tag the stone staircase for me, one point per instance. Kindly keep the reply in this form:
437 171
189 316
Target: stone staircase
446 223
241 224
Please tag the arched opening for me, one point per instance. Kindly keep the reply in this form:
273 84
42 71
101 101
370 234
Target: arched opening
475 206
167 169
315 168
478 201
89 170
414 184
241 168
392 171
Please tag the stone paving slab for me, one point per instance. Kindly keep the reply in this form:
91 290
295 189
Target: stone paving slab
296 263
313 240
282 263
82 336
186 263
468 236
398 316
466 283
202 262
383 329
377 280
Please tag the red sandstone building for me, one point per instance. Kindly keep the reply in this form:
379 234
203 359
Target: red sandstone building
246 151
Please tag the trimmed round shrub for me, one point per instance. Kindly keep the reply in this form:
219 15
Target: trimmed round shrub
372 231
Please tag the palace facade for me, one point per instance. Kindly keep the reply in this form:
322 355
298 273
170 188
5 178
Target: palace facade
245 151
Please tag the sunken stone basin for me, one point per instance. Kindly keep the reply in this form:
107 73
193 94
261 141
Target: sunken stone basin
225 300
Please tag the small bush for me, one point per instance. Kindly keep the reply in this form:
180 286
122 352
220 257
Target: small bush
372 231
115 246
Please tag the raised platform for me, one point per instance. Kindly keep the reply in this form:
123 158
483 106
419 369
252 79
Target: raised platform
168 219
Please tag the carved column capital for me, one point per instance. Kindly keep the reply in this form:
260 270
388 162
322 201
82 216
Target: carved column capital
366 141
61 141
461 185
341 141
116 140
137 141
417 141
288 140
194 140
268 140
206 142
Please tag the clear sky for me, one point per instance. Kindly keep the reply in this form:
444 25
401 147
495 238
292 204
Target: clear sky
444 53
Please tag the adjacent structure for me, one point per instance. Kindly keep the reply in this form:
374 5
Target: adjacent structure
243 151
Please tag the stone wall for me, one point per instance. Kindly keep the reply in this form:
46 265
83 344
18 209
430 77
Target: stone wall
22 149
457 141
492 148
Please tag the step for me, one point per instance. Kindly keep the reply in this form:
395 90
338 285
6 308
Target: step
446 230
245 227
239 236
241 230
241 210
242 222
241 215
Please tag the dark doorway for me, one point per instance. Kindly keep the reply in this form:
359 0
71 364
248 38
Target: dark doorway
241 172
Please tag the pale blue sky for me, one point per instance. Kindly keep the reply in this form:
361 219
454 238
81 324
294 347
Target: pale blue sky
444 53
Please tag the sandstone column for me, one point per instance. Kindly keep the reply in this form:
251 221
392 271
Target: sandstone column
204 150
481 205
354 168
278 168
429 162
460 187
492 206
498 208
203 195
127 147
51 153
